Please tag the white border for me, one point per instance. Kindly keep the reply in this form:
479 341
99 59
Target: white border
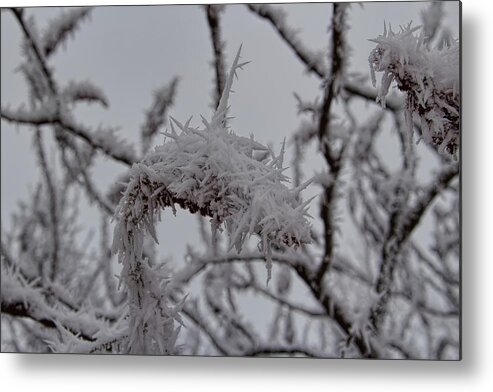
474 373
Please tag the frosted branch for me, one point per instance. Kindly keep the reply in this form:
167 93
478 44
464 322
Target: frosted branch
430 79
53 201
313 62
32 42
84 91
210 171
400 230
333 160
104 140
277 18
60 28
214 19
156 115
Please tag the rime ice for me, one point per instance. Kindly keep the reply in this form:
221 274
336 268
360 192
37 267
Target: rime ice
430 79
234 180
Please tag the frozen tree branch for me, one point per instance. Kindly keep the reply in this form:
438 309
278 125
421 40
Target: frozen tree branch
53 200
156 115
21 300
430 79
313 62
214 19
103 141
432 18
77 169
52 112
18 309
268 350
185 172
399 231
368 93
332 159
331 308
19 15
277 18
61 28
282 301
84 91
191 312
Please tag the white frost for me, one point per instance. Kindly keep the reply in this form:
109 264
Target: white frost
218 174
430 79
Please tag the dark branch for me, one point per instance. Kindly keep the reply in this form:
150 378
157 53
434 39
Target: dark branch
338 48
214 19
18 309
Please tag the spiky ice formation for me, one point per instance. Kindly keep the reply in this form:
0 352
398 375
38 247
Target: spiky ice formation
430 79
234 180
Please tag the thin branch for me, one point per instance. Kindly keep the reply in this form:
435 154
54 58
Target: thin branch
193 315
282 301
54 115
268 350
311 60
334 82
19 15
61 27
18 309
98 143
156 115
399 232
86 182
53 203
213 19
277 20
329 305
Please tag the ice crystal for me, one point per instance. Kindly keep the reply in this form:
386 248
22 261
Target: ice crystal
430 79
236 181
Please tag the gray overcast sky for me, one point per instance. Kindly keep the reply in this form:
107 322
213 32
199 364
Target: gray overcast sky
130 51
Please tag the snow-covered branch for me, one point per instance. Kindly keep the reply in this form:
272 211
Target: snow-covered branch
282 350
104 140
332 158
53 200
214 21
32 42
400 229
430 79
60 28
157 114
210 171
314 62
21 299
84 91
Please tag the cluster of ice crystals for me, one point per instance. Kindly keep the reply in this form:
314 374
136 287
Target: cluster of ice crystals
236 181
430 79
